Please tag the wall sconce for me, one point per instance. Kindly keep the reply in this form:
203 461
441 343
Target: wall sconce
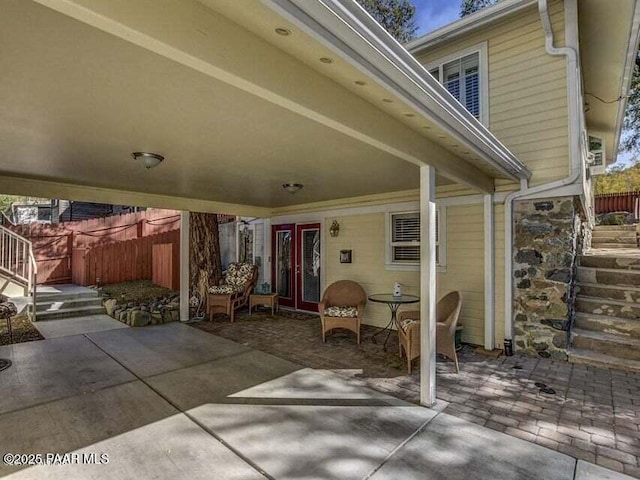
334 229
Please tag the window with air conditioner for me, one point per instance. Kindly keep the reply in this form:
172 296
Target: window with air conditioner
465 77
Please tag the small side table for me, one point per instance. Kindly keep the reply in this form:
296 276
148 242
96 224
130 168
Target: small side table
266 299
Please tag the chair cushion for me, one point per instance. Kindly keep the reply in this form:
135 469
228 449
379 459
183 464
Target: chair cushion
239 274
346 312
7 309
225 289
407 322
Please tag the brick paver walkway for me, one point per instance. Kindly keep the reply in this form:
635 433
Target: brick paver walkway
594 414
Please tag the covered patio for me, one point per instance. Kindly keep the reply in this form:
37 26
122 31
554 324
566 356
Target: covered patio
337 106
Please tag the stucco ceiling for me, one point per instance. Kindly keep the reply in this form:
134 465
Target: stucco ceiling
604 43
75 101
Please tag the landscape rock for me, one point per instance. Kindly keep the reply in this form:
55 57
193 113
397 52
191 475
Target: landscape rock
138 318
161 310
110 306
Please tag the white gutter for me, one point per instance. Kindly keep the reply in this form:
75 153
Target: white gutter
630 61
576 133
467 24
346 28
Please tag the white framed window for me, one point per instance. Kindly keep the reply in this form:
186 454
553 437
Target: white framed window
403 239
465 75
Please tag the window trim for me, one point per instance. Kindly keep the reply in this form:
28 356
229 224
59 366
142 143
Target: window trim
441 261
483 67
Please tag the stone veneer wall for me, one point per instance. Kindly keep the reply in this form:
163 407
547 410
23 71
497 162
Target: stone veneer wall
548 237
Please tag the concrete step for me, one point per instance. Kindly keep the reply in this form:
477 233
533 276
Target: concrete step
622 262
587 357
69 313
613 308
65 291
608 276
607 324
49 306
608 343
62 297
614 228
595 244
610 292
614 234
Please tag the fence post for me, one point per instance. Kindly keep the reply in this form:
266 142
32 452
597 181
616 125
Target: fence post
140 227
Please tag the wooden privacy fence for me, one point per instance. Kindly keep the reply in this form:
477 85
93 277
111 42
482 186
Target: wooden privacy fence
155 257
618 202
54 244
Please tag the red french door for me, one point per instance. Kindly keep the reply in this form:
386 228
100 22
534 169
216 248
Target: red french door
296 265
283 270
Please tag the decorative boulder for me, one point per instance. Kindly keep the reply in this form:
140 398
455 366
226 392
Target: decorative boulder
139 318
110 306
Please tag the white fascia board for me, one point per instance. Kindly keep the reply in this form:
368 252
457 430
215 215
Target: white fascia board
466 24
347 29
630 61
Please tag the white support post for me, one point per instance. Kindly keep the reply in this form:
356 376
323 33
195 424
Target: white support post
427 285
236 225
266 256
184 266
489 274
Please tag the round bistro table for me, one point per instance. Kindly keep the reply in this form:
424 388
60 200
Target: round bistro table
393 303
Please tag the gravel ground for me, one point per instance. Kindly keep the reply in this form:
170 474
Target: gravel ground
23 330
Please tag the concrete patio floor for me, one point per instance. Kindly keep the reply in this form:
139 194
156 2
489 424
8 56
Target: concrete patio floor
594 414
170 401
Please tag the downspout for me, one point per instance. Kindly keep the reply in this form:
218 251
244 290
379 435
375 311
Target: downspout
575 172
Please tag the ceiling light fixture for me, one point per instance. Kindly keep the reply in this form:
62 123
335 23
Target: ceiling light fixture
285 32
292 187
150 159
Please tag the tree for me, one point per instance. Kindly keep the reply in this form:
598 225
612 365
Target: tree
467 7
618 179
631 133
395 16
205 265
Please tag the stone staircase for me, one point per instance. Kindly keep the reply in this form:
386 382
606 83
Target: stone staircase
607 324
66 301
614 236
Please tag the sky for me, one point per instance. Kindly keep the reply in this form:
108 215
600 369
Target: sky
432 14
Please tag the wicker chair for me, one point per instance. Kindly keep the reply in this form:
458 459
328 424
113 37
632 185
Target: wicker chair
447 313
342 306
234 290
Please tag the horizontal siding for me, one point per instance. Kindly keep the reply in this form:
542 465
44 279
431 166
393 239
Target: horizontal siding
465 267
364 235
527 90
